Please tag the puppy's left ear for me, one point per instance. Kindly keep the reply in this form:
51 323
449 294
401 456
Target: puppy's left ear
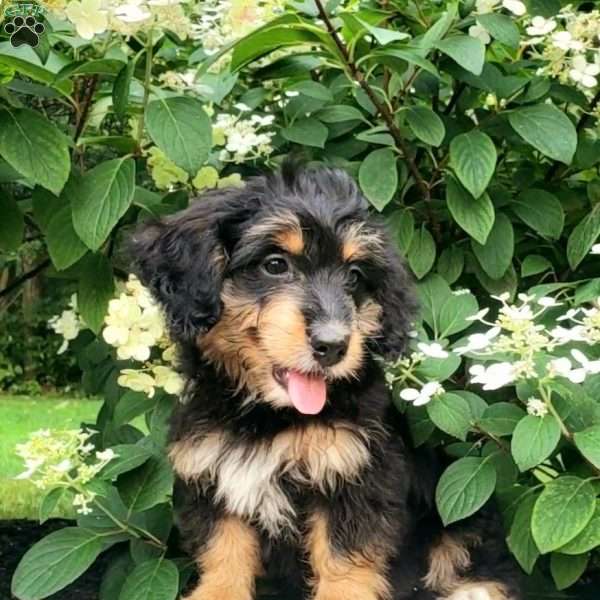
182 259
398 302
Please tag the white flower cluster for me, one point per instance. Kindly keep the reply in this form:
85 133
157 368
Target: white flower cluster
570 45
63 459
135 326
516 7
126 17
243 138
68 324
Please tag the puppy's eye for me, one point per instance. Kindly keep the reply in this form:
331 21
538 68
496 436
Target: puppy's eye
275 265
355 276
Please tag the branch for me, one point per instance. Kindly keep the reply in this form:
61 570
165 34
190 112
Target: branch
88 96
25 277
382 108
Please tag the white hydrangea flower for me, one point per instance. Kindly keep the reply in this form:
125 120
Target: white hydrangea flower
583 72
88 16
541 26
133 11
478 341
168 379
485 6
595 249
537 407
433 350
564 40
548 302
137 381
68 325
481 33
516 7
495 376
424 395
563 367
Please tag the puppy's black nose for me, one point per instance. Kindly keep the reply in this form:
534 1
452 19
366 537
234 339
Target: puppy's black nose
329 350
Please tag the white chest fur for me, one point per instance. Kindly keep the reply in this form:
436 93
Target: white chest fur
248 477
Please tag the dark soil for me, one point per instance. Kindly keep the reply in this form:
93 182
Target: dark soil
16 537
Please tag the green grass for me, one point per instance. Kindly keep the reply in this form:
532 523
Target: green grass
20 416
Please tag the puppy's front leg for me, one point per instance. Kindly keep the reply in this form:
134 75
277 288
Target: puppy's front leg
344 575
229 562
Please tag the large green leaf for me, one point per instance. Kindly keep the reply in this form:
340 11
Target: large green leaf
467 51
426 125
55 561
120 93
96 288
520 541
421 254
542 211
566 570
501 27
127 458
501 418
495 256
475 216
307 132
154 579
147 485
568 504
454 312
101 198
451 263
451 414
12 223
583 237
588 443
547 129
464 487
34 147
181 128
473 158
378 177
588 539
534 440
64 246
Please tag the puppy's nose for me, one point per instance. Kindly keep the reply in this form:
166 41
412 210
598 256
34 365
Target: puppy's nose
329 350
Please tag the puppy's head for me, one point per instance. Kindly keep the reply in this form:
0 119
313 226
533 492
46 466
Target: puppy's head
285 285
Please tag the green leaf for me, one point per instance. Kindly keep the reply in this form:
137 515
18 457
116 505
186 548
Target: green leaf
101 198
155 579
520 541
34 147
534 264
421 254
49 503
383 35
45 206
473 158
12 223
120 93
402 225
181 129
588 443
96 289
566 570
433 292
438 369
451 263
409 55
467 51
64 246
147 485
583 237
501 418
475 216
477 405
453 314
542 211
588 539
501 27
131 405
534 440
547 129
451 414
114 577
55 561
464 487
128 457
307 132
568 503
339 113
495 256
378 177
312 89
426 125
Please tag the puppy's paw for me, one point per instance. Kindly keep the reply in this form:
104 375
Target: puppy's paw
484 590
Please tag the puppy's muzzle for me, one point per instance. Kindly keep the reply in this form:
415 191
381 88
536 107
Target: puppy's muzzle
329 342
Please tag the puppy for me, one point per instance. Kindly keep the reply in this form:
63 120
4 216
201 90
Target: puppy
291 461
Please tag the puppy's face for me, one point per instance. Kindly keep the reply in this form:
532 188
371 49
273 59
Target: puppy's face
286 290
298 306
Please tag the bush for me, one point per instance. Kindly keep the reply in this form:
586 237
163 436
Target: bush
473 129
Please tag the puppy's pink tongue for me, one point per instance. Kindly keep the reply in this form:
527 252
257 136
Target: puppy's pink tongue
308 392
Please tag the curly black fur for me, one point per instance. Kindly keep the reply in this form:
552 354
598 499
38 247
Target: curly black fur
184 260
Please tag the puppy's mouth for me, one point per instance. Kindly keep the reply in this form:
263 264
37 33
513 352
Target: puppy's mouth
307 391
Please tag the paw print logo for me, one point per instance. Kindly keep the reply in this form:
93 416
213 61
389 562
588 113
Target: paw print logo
24 31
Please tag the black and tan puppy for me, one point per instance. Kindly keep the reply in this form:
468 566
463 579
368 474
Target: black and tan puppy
291 459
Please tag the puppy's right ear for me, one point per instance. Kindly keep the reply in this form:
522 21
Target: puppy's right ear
182 259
